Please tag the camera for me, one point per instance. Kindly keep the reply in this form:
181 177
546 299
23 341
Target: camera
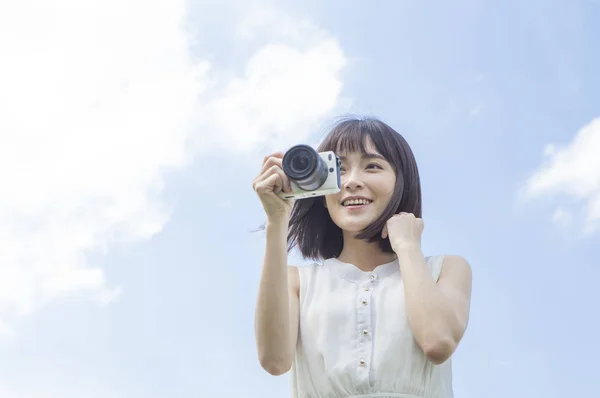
311 173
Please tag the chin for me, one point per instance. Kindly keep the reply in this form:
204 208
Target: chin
353 230
352 223
354 227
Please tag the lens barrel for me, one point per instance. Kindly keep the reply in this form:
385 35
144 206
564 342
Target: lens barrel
303 165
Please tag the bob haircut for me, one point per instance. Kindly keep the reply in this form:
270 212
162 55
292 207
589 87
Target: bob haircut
311 228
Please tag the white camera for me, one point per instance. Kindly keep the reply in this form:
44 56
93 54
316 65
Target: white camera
310 173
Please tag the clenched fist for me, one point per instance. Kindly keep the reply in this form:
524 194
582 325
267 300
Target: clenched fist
404 231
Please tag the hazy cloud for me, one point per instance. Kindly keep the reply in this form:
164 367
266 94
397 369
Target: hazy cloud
97 100
572 171
288 86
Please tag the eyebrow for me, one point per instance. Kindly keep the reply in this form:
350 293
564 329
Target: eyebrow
368 156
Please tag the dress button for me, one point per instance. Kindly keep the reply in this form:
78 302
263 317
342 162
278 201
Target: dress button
362 362
366 289
365 332
364 302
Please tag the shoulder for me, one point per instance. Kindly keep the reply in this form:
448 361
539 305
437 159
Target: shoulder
297 273
444 266
455 263
297 270
455 271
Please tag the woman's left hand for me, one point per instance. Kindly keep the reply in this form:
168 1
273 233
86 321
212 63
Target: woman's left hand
404 231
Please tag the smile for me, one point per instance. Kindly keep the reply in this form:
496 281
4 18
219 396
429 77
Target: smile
356 202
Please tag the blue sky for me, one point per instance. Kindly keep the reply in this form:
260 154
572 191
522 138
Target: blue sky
130 135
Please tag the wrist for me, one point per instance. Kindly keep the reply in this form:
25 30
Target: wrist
278 222
405 250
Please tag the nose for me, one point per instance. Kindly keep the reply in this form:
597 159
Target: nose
351 181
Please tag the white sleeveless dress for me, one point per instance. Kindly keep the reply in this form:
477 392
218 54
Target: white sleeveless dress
354 338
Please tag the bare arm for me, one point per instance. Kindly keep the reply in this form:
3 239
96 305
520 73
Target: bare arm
277 307
438 313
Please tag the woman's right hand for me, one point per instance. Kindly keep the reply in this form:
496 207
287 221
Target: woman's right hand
269 183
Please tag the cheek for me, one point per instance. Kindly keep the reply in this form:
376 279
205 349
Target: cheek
386 186
330 201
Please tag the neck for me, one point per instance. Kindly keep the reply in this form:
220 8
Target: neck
364 255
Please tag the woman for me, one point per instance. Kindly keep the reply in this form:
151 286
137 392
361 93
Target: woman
376 318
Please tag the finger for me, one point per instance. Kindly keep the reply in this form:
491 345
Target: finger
278 155
271 183
261 178
267 172
283 182
270 162
273 155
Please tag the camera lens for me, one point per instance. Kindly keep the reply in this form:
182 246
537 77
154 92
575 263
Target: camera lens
303 165
300 163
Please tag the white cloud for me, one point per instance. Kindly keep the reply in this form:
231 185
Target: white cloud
288 86
267 24
572 171
97 99
279 100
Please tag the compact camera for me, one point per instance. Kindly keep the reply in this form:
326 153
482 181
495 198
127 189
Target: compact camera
310 173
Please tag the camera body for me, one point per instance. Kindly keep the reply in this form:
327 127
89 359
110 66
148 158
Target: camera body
311 173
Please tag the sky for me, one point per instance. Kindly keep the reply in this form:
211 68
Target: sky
130 132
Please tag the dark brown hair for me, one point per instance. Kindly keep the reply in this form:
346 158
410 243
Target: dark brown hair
313 231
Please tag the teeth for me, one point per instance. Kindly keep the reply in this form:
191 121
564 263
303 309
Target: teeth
356 202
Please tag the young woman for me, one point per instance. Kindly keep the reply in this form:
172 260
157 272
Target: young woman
374 318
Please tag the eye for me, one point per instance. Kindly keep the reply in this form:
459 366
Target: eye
374 165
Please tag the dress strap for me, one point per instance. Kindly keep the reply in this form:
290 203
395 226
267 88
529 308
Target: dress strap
305 273
435 265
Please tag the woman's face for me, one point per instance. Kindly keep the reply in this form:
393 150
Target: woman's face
368 182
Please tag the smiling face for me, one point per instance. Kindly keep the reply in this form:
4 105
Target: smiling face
368 182
320 227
